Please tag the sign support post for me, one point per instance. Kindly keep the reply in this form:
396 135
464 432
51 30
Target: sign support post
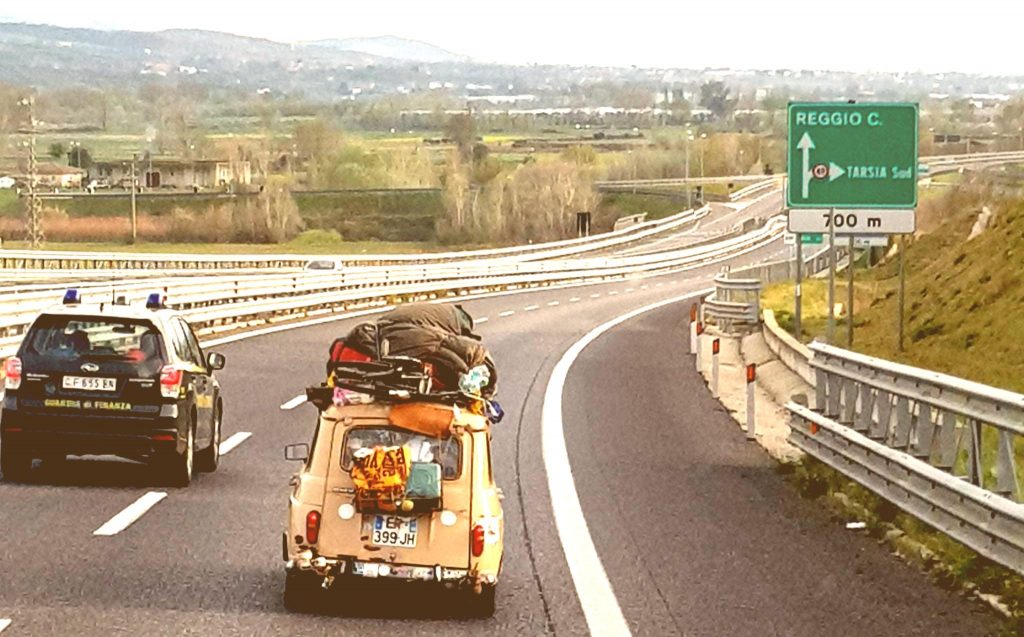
830 331
849 298
798 296
903 247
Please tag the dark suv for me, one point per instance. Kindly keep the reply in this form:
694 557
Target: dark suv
112 379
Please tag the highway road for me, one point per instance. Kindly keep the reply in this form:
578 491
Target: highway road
724 219
697 534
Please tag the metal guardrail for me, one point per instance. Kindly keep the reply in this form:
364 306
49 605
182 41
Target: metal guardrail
736 300
792 353
181 263
769 183
214 303
734 303
939 447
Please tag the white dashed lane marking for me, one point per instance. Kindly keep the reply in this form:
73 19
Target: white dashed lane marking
553 304
294 402
234 441
630 289
130 514
4 623
531 308
507 313
595 295
482 319
613 293
574 299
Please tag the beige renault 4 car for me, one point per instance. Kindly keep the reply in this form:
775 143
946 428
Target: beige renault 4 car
403 491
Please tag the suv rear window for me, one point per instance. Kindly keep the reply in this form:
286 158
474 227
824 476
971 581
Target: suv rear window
80 337
448 452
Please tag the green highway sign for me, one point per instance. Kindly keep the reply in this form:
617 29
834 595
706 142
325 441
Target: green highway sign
813 239
844 155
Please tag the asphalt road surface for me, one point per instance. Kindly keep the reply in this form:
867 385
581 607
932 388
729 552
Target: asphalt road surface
696 532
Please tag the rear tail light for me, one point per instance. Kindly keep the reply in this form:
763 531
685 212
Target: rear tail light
12 372
170 381
478 540
312 527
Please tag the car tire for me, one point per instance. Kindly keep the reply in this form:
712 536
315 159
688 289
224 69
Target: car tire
180 467
14 464
208 459
482 605
302 590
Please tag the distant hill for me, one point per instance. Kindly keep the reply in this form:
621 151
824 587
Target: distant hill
46 56
389 46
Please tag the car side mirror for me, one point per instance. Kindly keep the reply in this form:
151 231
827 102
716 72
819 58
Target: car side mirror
297 453
215 360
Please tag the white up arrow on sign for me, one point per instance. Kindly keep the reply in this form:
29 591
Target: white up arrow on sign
806 144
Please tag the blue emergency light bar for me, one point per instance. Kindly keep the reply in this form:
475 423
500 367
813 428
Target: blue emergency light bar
72 297
155 301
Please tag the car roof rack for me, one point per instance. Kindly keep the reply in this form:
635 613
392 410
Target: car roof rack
390 379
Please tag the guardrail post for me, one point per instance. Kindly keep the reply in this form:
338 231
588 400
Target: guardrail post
693 328
700 331
975 470
1006 469
716 346
751 385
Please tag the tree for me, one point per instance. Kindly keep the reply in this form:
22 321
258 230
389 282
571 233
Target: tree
57 150
714 96
79 157
461 129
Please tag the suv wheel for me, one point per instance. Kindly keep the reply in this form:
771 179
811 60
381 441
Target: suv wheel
302 590
14 464
180 467
481 605
208 459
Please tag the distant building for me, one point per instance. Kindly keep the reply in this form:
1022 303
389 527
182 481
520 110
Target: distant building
52 176
175 174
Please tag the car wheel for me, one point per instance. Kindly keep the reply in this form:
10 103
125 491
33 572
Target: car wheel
180 467
481 605
302 590
208 459
14 464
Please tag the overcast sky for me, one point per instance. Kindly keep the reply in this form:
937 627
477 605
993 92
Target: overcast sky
980 36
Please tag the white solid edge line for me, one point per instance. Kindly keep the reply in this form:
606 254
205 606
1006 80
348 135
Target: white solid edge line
294 402
594 590
4 623
235 440
130 514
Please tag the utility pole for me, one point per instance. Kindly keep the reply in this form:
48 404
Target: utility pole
33 214
135 220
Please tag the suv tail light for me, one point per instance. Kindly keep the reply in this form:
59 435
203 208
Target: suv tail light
478 540
170 381
312 527
12 372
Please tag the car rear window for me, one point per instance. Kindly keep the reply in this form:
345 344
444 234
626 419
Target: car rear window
448 452
84 337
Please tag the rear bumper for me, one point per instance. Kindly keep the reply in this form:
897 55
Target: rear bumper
344 566
40 434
